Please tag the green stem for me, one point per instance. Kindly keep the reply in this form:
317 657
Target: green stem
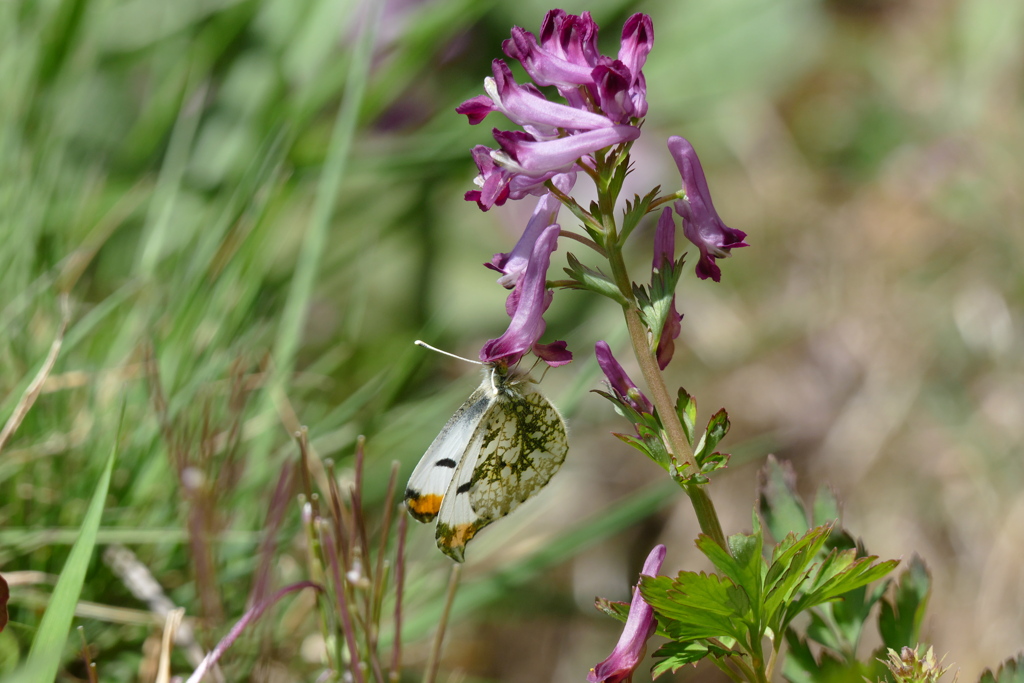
677 443
679 446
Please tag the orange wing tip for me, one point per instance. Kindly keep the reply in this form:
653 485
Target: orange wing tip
423 508
452 540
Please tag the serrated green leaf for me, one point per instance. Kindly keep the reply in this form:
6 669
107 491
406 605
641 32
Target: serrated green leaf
677 655
613 608
694 606
1010 671
839 573
791 564
592 280
899 618
635 211
686 409
714 462
656 449
744 566
718 427
655 301
780 506
826 506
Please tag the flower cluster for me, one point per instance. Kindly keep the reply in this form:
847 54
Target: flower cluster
604 100
604 96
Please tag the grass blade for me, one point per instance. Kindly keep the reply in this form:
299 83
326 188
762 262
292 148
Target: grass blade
45 655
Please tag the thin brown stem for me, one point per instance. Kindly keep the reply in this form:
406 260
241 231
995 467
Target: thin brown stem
430 675
584 240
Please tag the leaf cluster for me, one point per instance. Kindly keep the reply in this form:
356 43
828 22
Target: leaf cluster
649 439
824 648
729 614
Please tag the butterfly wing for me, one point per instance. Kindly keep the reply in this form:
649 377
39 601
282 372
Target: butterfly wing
433 475
518 446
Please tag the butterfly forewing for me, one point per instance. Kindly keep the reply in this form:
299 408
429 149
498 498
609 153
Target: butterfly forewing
436 469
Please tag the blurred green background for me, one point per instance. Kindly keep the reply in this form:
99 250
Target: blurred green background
235 268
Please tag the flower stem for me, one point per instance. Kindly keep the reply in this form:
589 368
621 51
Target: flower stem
707 516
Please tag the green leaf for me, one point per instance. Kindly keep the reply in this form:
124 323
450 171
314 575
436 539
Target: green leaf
826 506
718 427
839 573
686 408
593 280
714 462
655 302
744 566
1011 671
613 608
46 653
677 655
636 210
694 606
899 619
850 614
791 563
801 666
780 506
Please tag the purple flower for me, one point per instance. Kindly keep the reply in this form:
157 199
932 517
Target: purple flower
637 43
567 53
640 626
513 264
526 106
526 304
603 96
701 223
521 153
624 388
664 255
612 82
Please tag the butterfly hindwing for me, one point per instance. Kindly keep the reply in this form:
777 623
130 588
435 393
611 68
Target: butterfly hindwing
519 455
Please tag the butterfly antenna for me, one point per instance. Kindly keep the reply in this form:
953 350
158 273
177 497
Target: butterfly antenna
445 353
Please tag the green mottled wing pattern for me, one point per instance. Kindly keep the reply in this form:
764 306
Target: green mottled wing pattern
522 447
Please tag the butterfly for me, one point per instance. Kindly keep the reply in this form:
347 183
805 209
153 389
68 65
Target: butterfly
500 448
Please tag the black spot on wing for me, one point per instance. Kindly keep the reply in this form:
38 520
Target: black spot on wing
464 488
445 462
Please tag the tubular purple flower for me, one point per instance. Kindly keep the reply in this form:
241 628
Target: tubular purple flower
664 255
521 154
570 37
564 55
701 223
526 305
640 626
526 106
492 180
513 264
637 43
619 381
612 82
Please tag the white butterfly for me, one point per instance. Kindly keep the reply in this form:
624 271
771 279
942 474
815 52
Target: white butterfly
501 447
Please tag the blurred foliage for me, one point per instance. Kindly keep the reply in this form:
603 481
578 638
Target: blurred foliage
164 163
